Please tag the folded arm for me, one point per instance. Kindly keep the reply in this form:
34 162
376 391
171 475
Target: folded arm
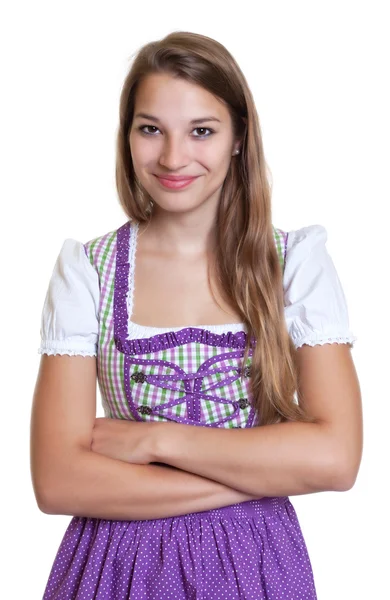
69 478
286 458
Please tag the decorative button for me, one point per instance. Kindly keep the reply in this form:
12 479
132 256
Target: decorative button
248 371
145 410
138 377
243 402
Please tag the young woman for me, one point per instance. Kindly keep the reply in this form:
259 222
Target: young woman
222 350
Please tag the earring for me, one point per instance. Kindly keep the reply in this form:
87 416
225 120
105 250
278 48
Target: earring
236 152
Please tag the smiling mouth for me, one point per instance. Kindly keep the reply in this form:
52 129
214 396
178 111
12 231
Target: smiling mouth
177 177
176 183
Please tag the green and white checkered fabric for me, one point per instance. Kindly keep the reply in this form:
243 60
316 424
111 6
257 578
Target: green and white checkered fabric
217 391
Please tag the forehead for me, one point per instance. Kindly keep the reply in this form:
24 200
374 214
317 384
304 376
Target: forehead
167 97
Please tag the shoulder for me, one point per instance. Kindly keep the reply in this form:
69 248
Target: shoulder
70 313
306 238
306 247
84 262
99 248
297 243
307 257
315 304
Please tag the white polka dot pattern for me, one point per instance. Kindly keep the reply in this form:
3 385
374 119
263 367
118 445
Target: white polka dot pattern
249 551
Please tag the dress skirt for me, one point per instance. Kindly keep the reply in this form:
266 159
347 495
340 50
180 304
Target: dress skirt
245 551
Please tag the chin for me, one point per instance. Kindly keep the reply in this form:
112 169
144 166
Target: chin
177 205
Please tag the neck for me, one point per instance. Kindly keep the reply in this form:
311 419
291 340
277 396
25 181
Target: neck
190 233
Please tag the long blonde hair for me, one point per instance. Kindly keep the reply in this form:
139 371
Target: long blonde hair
246 263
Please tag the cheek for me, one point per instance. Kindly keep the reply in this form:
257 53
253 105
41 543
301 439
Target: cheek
216 153
218 165
212 154
141 158
137 148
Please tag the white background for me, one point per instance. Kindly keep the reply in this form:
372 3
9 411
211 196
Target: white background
319 75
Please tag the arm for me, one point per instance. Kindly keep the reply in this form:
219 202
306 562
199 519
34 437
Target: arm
68 478
286 458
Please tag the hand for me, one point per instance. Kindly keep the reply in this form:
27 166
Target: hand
130 441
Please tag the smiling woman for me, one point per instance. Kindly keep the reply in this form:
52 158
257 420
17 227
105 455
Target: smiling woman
173 155
222 348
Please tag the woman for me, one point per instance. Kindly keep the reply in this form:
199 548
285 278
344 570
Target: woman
198 317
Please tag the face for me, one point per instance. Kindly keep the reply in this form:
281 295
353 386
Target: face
169 142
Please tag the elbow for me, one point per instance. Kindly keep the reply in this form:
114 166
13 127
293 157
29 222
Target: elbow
343 456
344 482
54 485
342 475
51 490
47 507
347 477
40 488
46 499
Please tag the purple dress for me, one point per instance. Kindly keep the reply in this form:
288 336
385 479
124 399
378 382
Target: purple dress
247 551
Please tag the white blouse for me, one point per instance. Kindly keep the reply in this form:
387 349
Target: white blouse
315 305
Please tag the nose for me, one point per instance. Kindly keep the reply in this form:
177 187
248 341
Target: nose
174 155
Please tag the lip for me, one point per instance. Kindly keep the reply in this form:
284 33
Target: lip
177 177
177 182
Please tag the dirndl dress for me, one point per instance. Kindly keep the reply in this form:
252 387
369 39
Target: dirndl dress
246 551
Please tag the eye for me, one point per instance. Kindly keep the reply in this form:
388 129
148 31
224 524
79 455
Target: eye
146 126
204 129
202 136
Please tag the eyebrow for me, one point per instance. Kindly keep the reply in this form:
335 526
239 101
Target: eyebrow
193 122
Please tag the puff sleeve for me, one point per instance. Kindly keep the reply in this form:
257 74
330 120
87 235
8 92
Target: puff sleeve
70 315
315 306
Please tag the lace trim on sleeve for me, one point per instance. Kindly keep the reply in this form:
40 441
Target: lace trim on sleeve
53 351
346 339
70 347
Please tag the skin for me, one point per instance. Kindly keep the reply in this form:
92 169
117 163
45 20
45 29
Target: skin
174 146
172 250
104 467
74 470
171 278
282 459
